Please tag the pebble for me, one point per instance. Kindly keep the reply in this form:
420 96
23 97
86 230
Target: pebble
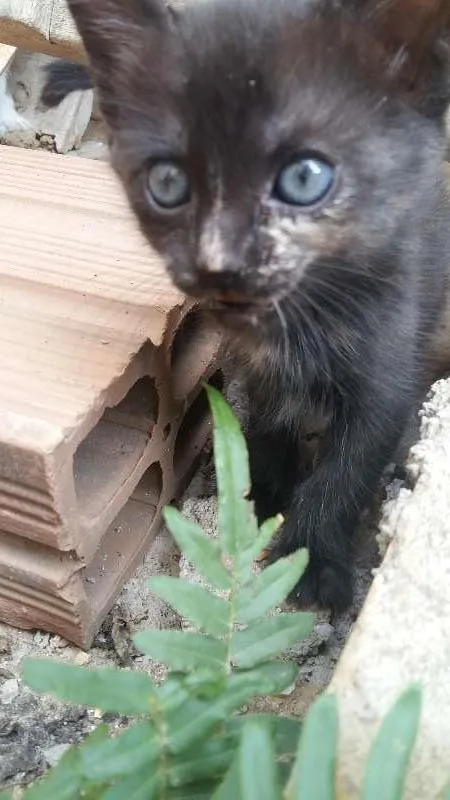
320 634
81 659
59 642
9 691
290 690
5 645
54 754
41 639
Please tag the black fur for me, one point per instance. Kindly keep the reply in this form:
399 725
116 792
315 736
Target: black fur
329 313
63 78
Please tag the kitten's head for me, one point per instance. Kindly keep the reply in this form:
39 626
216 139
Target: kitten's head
265 145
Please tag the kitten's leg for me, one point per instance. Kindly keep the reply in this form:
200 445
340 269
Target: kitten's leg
325 508
274 470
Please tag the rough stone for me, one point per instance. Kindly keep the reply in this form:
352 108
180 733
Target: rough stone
401 636
55 753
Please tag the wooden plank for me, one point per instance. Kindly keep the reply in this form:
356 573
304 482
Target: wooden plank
44 26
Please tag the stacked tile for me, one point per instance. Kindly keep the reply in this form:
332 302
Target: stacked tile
101 409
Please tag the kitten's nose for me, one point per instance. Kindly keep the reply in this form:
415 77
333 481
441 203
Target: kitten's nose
222 244
227 286
214 256
221 260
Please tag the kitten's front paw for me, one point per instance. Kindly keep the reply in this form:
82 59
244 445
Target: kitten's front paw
328 579
325 585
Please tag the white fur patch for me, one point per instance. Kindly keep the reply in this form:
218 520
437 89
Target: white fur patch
10 119
212 245
288 232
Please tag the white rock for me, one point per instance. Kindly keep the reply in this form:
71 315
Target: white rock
54 754
9 691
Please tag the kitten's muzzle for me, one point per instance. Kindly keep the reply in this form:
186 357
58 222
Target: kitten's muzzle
233 315
230 303
231 309
224 289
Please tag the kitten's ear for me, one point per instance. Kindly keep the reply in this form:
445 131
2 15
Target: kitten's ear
121 37
108 27
413 24
414 35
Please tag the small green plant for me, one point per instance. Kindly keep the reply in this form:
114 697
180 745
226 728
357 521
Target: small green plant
189 738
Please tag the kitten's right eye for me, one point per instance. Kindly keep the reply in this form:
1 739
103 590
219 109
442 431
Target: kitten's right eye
168 185
305 182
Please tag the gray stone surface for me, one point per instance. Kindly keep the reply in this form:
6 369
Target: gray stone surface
403 633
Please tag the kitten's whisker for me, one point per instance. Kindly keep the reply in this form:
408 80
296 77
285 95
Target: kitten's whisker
322 342
284 326
309 338
340 301
372 279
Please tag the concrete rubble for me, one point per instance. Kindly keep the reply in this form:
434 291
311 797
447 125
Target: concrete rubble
402 635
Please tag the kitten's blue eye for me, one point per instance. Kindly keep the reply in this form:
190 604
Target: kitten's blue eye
168 185
304 182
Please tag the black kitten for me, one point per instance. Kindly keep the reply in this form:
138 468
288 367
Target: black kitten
285 158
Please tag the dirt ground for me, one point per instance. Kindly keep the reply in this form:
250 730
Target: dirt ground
35 731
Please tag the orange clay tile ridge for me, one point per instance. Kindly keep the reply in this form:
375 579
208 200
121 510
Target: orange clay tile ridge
101 412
